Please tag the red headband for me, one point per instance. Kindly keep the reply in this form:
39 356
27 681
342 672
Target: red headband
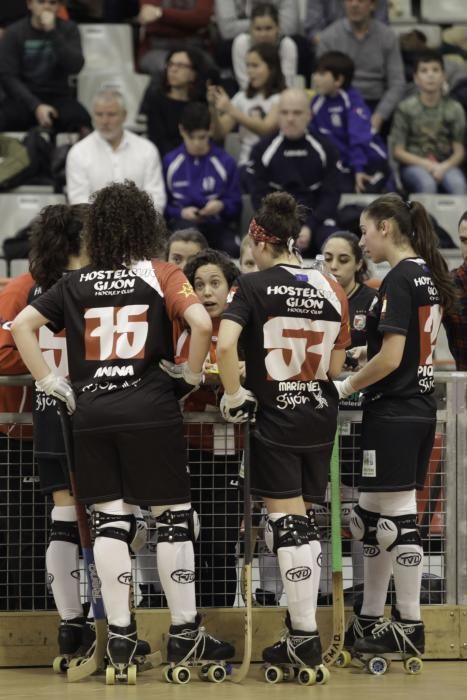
259 234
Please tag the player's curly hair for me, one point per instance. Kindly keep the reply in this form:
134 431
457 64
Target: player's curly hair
281 216
209 256
56 234
123 227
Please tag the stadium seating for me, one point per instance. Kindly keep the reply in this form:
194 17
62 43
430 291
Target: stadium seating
443 11
447 210
401 11
107 45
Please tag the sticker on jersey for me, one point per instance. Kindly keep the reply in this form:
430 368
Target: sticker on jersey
301 278
187 290
113 333
359 322
429 321
369 464
346 427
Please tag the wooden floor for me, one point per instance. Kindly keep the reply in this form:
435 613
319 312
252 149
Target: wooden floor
439 679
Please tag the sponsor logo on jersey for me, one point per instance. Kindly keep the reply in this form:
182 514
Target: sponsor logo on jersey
359 322
422 281
409 559
125 578
370 550
115 371
299 573
296 153
187 290
183 576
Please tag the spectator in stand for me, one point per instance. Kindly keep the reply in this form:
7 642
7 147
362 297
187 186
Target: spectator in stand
255 109
113 154
202 183
428 133
303 165
233 16
38 54
264 28
340 114
374 49
456 324
167 24
184 81
321 13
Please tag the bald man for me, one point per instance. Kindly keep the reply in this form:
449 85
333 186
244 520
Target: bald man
301 164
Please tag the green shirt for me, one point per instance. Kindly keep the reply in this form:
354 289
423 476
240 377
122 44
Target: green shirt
428 131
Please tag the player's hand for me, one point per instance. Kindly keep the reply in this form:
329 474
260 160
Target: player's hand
344 388
239 407
60 388
45 114
186 381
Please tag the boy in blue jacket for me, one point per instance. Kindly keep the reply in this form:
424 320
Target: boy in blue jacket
340 113
202 183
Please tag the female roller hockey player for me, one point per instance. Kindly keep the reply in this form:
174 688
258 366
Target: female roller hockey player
344 260
399 419
294 328
127 425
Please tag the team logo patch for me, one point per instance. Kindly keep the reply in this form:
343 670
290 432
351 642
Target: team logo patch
359 322
183 576
125 578
299 573
370 550
409 559
187 290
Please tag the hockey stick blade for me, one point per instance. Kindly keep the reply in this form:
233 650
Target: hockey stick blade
95 661
338 626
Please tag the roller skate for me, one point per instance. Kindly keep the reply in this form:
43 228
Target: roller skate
359 626
392 640
70 637
121 649
190 646
297 655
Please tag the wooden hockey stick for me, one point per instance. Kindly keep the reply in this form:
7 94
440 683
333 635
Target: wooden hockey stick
96 660
240 674
335 647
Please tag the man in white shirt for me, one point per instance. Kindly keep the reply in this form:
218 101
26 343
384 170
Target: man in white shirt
113 154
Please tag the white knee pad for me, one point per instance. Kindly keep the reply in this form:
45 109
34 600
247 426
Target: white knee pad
346 510
394 530
363 524
176 523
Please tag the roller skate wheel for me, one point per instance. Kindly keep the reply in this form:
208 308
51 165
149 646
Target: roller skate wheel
344 659
322 675
168 674
273 674
60 664
110 675
289 674
413 665
377 665
306 676
131 674
216 674
181 675
203 672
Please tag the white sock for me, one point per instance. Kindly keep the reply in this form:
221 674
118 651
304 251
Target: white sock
172 557
62 562
377 566
301 591
269 572
113 563
356 549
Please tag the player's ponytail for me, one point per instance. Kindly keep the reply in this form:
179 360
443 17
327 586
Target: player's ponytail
56 234
281 218
414 224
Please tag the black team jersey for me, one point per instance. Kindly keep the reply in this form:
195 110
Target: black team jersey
292 319
118 327
407 303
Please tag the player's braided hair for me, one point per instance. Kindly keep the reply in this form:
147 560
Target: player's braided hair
282 217
123 227
413 223
56 234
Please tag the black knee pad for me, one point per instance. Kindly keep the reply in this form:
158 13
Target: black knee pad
169 526
100 519
62 531
288 531
313 531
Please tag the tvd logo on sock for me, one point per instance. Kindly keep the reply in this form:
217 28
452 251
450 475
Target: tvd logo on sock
370 550
299 573
75 574
183 576
125 578
409 559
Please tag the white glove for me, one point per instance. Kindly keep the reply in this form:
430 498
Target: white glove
186 380
52 385
345 387
239 407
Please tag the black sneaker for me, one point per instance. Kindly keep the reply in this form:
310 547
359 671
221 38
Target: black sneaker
396 636
122 644
191 642
295 647
70 635
359 626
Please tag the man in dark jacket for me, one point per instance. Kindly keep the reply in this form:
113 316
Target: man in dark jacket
305 166
38 54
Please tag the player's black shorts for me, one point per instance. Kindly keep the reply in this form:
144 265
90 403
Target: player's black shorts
286 472
144 467
53 474
395 454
